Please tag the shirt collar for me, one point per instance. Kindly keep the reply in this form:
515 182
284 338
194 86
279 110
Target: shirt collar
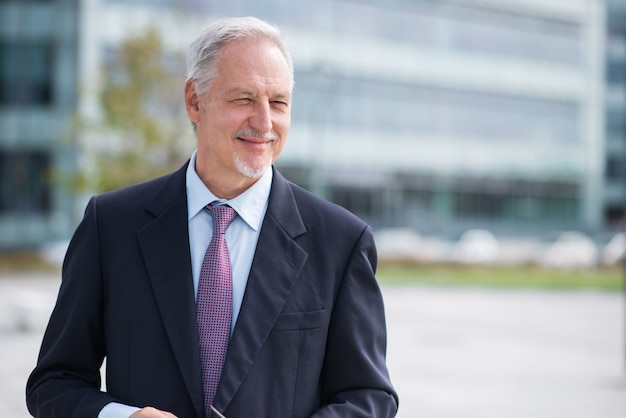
249 205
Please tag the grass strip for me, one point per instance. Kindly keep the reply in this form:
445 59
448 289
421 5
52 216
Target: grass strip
605 279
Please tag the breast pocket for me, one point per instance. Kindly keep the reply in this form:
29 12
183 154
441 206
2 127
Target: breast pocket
299 321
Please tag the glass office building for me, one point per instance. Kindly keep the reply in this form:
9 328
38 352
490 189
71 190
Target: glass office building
434 114
38 73
438 115
615 173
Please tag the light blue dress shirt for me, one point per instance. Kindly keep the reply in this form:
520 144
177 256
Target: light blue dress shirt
241 237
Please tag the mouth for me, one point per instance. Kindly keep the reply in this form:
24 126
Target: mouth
253 137
254 140
254 144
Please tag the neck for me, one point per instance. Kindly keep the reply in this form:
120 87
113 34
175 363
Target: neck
227 190
224 186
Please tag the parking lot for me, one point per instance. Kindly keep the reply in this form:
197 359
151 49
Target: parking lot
453 352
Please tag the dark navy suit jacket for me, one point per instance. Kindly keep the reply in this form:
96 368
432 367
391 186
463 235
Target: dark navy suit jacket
310 339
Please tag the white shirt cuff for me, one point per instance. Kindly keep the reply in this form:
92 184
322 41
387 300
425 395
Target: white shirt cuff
117 410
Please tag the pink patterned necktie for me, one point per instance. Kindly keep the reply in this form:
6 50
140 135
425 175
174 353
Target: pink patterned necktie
214 304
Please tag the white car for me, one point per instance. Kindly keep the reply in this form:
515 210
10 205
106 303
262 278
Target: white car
571 249
397 243
476 246
615 249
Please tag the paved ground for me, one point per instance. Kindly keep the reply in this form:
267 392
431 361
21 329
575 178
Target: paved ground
452 352
485 353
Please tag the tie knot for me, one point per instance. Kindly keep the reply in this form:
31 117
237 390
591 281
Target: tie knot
222 215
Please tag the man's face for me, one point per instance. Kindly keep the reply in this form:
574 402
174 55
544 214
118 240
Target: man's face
243 121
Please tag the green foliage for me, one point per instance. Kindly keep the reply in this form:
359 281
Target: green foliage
607 279
142 130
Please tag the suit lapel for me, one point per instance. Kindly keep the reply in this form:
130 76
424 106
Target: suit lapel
165 246
277 264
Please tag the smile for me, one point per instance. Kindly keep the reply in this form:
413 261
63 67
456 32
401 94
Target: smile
250 135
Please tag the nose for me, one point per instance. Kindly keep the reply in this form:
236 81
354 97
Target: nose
261 119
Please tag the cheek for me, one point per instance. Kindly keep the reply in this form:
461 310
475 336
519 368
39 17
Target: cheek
278 148
223 119
283 124
281 127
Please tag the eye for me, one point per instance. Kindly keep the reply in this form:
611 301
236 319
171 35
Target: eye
243 100
280 103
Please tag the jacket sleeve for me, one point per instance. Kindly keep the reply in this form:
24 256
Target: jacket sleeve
66 380
355 379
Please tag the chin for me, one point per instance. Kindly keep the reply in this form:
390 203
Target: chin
252 171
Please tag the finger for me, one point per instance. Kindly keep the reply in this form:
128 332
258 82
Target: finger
150 412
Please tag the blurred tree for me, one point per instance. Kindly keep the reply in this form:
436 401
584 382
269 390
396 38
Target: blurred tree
142 130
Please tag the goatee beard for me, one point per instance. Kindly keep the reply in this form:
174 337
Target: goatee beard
248 171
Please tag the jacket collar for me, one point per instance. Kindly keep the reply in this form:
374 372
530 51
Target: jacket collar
270 282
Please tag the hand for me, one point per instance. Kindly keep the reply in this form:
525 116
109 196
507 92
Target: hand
150 412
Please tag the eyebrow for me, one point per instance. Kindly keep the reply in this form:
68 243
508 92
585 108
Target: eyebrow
239 90
249 93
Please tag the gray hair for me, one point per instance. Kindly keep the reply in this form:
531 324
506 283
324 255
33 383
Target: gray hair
204 51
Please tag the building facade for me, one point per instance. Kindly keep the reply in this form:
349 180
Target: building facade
615 173
455 114
436 115
38 90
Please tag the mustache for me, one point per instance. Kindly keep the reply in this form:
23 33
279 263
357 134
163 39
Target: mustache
268 136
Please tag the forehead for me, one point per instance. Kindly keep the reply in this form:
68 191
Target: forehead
246 63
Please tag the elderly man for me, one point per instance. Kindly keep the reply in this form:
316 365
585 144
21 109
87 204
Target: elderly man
221 289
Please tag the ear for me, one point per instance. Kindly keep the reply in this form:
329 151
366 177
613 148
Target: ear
192 102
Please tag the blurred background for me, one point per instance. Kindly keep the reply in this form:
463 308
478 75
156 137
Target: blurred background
427 118
483 140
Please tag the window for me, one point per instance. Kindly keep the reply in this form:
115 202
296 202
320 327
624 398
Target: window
615 125
358 104
364 202
25 187
615 168
461 28
614 214
550 201
25 73
616 72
